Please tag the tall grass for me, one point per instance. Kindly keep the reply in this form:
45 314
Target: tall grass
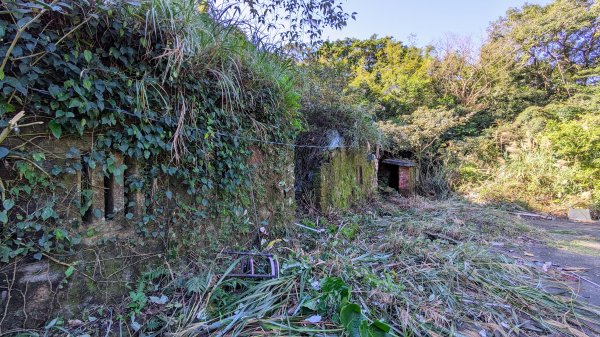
532 177
254 84
420 286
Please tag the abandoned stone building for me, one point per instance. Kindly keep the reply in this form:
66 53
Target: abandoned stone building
399 174
107 208
331 175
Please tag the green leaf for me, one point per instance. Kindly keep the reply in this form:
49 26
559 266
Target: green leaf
381 326
74 103
377 329
59 234
3 152
55 128
47 213
87 84
351 319
87 55
363 329
54 90
97 213
69 271
38 156
3 217
8 204
52 323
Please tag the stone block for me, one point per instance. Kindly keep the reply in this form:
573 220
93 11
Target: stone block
580 214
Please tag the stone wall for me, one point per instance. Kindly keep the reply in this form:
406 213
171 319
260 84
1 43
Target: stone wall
113 253
346 176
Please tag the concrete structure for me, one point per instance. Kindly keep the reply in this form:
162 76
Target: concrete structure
121 230
399 174
334 176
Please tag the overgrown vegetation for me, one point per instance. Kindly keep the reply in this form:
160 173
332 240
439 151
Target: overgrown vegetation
191 96
550 157
159 82
327 105
513 110
408 268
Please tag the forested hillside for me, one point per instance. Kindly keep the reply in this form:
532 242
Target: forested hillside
513 120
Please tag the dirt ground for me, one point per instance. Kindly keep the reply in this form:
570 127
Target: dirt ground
571 249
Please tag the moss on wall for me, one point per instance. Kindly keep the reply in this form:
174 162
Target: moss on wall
113 254
346 177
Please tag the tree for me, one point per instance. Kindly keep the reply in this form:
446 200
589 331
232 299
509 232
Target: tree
384 71
459 75
277 23
327 104
553 46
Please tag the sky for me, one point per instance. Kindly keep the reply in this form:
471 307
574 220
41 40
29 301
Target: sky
429 21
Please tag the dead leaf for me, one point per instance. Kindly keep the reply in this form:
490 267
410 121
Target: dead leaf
575 269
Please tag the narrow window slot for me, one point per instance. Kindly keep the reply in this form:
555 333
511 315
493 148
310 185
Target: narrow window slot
86 192
109 196
360 175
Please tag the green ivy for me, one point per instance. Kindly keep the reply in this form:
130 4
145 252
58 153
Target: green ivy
96 70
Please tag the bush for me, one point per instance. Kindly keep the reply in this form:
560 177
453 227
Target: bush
548 158
326 105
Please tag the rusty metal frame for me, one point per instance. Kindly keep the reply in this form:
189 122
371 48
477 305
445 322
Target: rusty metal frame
273 264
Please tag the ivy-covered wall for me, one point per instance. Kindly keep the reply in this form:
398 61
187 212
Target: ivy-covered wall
142 142
109 250
345 177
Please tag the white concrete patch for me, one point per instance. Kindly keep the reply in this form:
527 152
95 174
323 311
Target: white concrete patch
580 214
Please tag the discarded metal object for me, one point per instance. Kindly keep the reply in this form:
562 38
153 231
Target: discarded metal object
252 262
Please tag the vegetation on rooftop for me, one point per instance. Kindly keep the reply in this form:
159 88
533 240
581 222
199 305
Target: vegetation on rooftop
159 82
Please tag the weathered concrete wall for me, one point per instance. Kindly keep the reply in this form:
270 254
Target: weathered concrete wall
113 252
345 177
273 190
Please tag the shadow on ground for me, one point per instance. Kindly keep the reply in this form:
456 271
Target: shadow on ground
572 248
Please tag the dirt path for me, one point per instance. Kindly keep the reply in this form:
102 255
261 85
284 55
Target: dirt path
573 250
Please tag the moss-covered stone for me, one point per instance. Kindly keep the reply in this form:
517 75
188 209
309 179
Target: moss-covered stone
344 178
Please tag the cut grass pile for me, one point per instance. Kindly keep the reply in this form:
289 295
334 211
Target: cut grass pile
420 269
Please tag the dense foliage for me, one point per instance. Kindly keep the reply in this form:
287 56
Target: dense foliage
159 82
547 158
282 23
327 105
534 82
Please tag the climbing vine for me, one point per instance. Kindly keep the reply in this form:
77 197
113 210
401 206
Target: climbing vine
159 83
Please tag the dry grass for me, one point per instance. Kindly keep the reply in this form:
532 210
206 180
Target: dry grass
422 267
